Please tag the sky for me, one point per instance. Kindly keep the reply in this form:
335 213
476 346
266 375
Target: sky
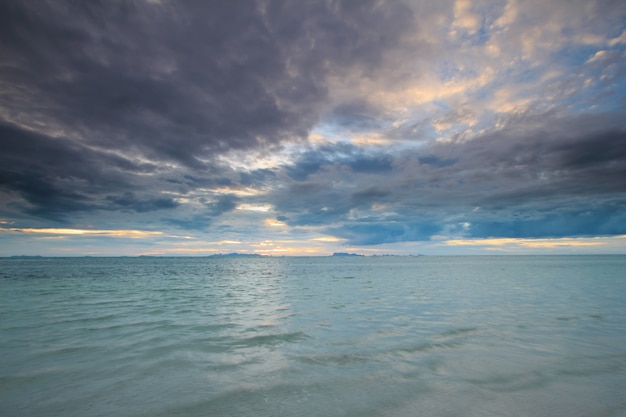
278 127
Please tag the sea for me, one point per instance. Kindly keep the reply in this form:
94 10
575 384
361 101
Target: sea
313 336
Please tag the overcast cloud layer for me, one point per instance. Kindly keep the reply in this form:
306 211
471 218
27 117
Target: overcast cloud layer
307 127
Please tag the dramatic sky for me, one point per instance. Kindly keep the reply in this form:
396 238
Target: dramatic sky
172 127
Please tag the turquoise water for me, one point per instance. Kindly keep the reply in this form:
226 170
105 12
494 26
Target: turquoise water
368 336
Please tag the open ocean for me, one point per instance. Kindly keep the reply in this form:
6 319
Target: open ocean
322 336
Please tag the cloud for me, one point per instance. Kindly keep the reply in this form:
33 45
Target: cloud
378 233
106 103
369 195
133 234
537 176
557 222
464 18
203 215
56 177
356 116
368 122
223 204
183 82
350 156
128 201
531 243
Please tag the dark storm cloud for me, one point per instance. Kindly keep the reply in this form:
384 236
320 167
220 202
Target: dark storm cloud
131 202
184 80
540 156
385 232
369 195
607 220
327 182
257 177
198 222
540 176
312 204
223 204
586 218
177 82
56 176
356 116
345 154
166 81
435 161
603 149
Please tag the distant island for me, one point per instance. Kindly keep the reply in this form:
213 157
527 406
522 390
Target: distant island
236 255
345 254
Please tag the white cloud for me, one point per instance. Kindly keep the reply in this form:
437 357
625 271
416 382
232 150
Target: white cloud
618 40
255 207
464 18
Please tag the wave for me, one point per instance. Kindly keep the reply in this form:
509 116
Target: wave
270 339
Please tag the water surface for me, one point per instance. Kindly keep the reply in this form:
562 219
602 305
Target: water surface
367 336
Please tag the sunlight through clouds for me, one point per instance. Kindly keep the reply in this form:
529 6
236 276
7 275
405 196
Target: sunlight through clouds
133 234
511 243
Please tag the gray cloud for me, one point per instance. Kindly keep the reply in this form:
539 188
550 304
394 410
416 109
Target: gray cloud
56 177
356 116
356 159
540 176
184 81
177 112
97 96
131 202
203 219
375 233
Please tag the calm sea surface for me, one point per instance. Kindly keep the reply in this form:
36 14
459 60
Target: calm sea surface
375 336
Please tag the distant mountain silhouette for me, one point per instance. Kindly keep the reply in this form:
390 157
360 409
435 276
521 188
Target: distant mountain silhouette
236 255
